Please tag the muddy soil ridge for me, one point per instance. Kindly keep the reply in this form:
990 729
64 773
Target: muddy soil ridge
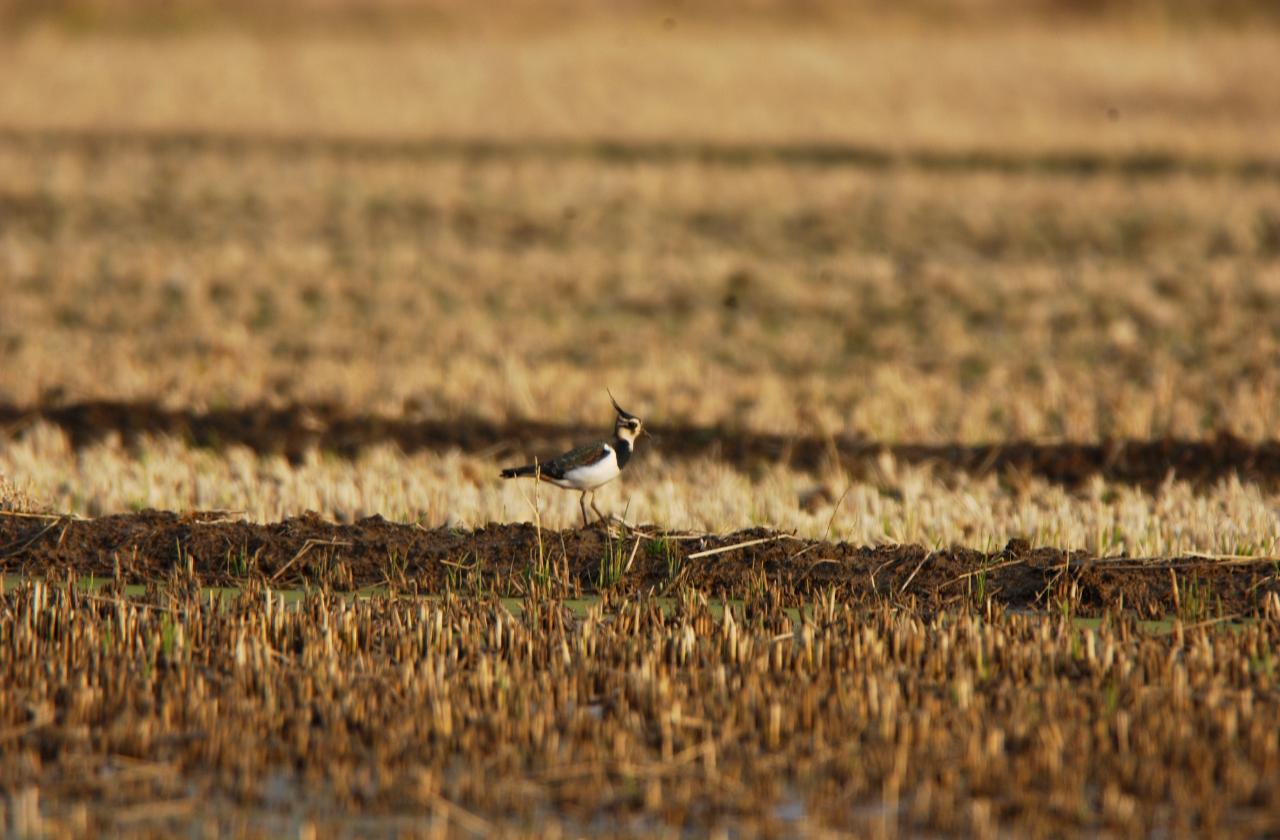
509 560
1079 162
294 430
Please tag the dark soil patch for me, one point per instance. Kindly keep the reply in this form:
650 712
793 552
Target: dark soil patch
293 431
1079 163
505 560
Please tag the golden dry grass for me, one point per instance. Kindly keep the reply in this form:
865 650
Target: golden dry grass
936 299
14 499
1008 89
911 302
407 715
1002 296
899 505
903 304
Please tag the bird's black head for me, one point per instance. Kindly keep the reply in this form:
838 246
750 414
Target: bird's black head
626 426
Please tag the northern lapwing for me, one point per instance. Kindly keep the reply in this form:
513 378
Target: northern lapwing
589 466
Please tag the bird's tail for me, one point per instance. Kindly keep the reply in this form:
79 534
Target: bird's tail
516 472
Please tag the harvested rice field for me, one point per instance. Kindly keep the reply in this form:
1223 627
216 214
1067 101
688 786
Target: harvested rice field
389 714
955 330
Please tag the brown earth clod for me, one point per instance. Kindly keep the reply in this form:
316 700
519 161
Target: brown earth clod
503 559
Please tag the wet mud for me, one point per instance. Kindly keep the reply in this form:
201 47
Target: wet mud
512 560
293 431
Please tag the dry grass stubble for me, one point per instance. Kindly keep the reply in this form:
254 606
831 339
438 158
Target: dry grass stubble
396 714
900 504
903 304
1028 88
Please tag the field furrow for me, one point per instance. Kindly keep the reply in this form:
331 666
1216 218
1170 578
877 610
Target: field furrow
513 560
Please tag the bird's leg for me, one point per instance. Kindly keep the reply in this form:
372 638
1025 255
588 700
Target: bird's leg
603 518
582 505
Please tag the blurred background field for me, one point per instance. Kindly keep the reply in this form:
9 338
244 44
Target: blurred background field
941 223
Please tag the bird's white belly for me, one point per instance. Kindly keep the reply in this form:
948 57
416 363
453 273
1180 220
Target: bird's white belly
590 476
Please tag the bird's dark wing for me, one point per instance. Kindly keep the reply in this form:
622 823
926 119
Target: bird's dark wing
580 457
